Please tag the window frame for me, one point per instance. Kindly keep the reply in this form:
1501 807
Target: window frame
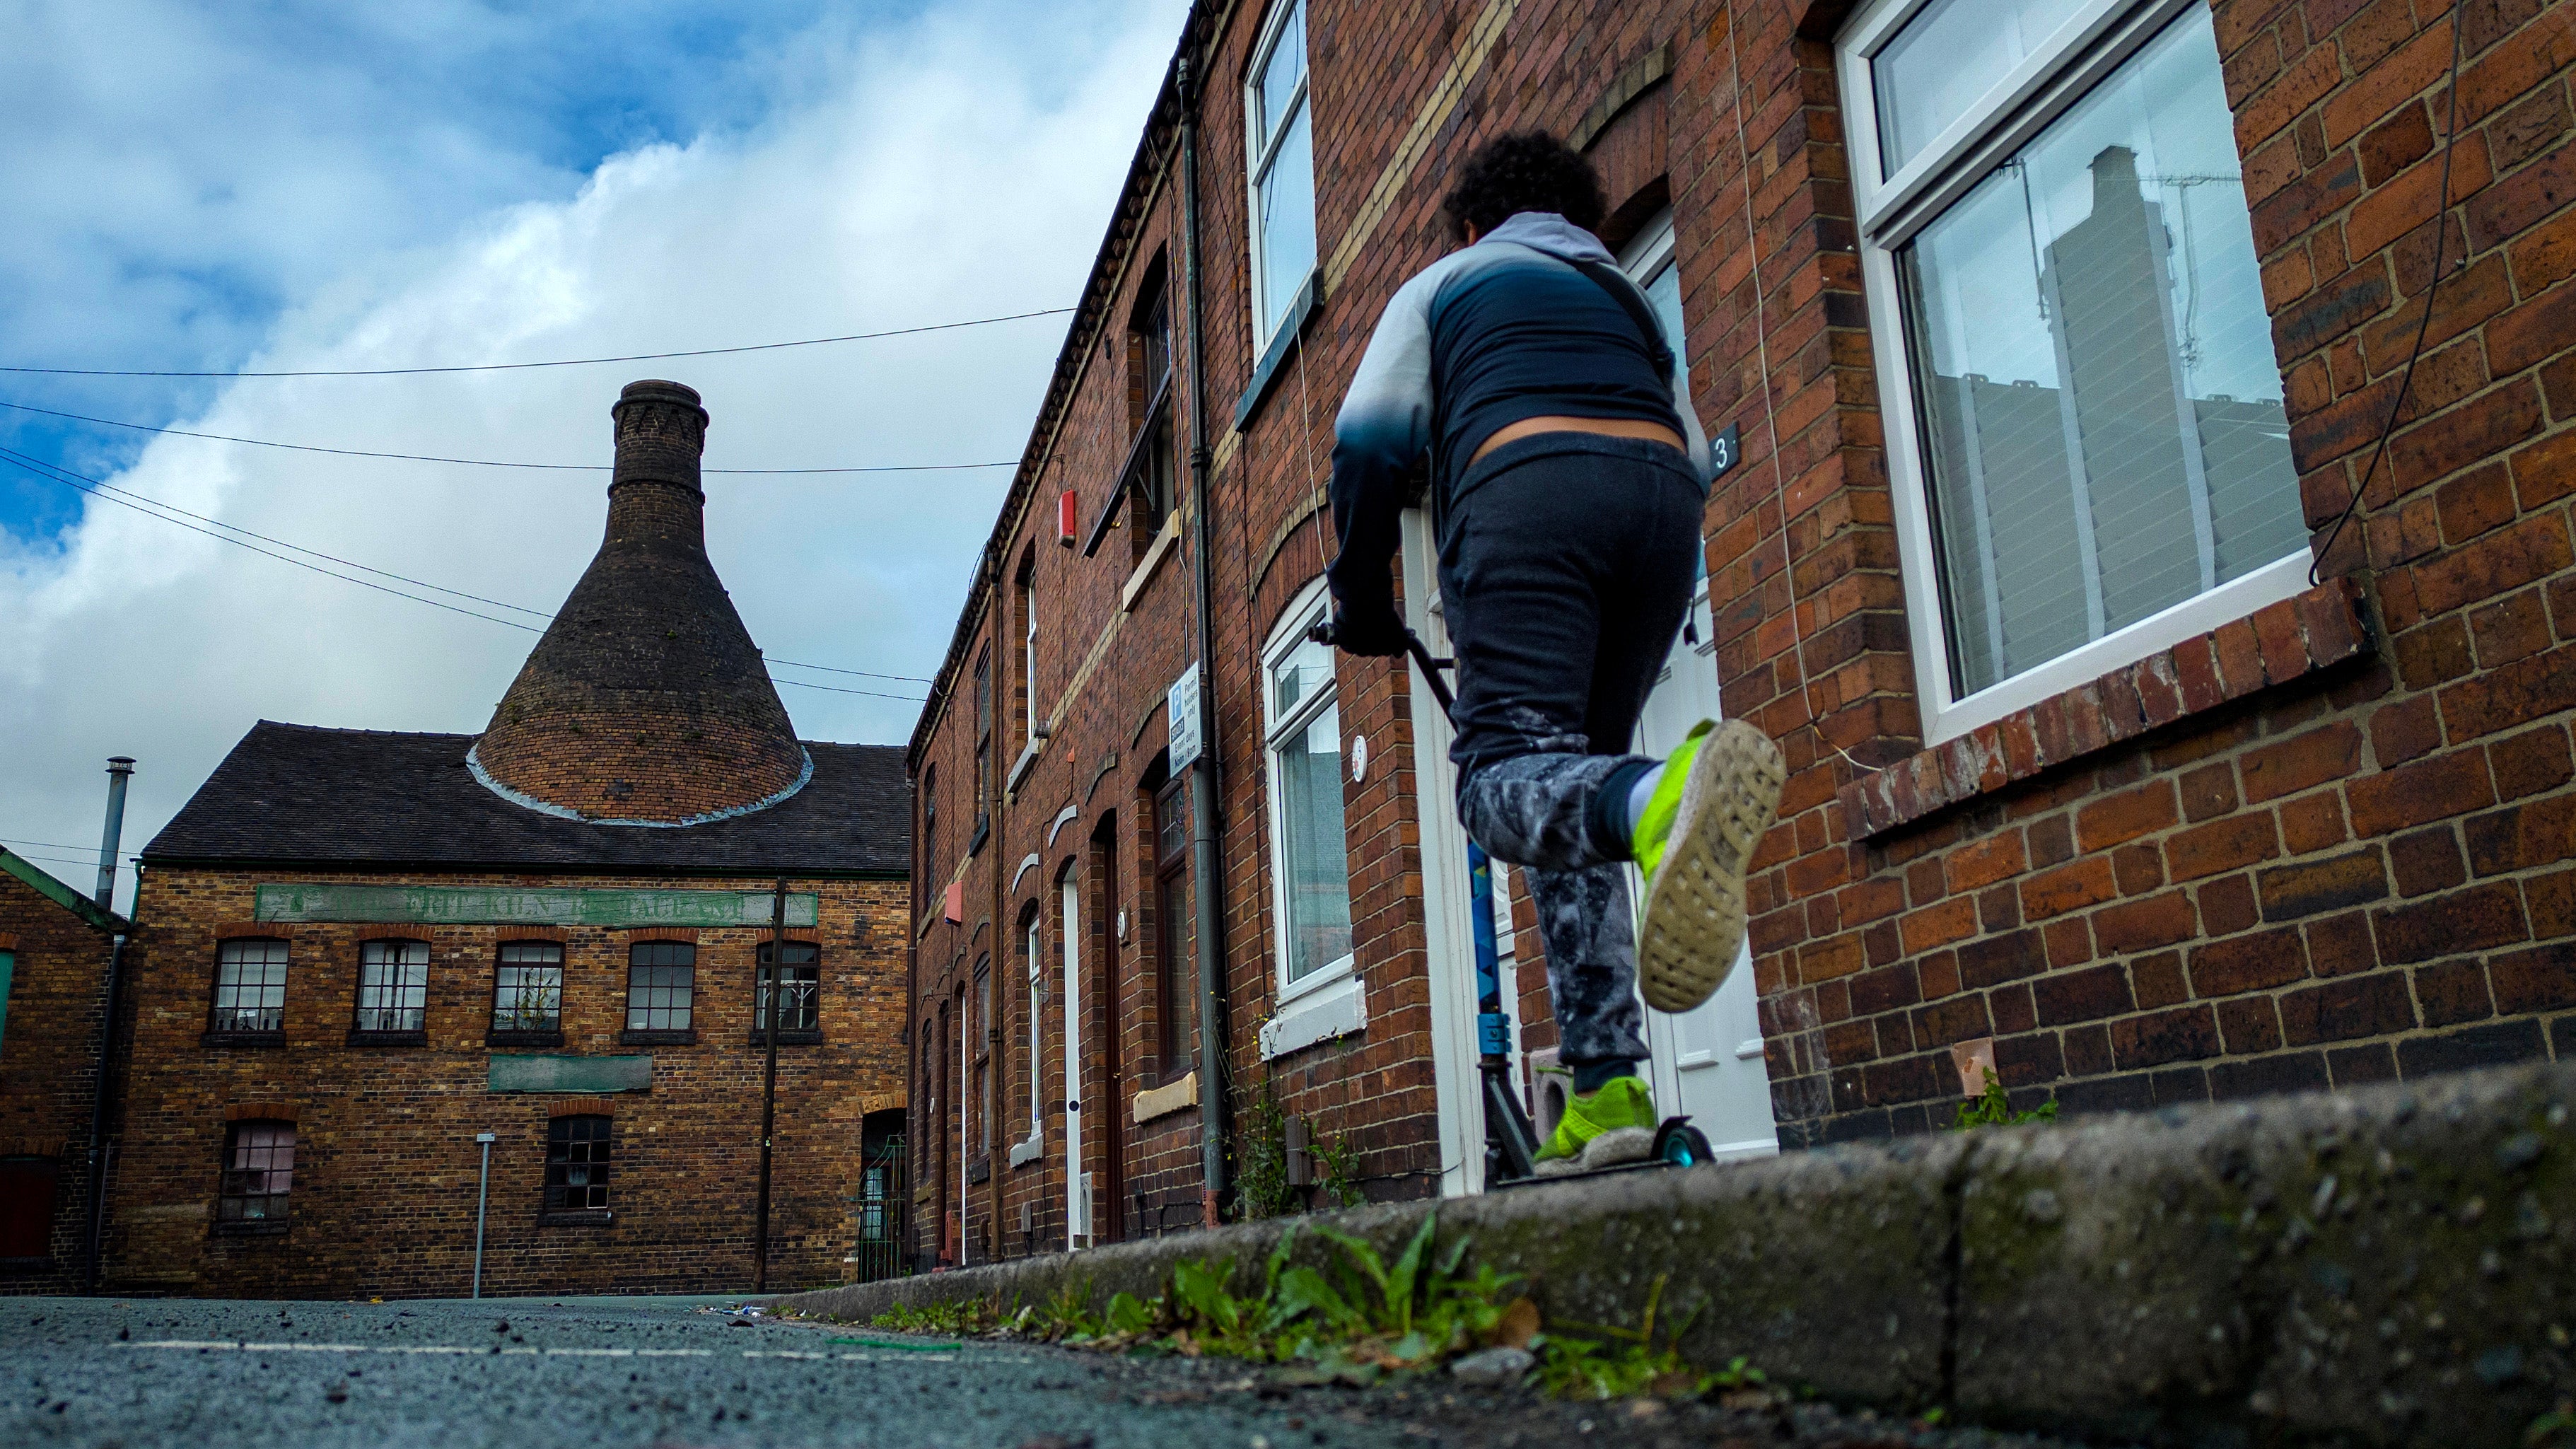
551 1208
1174 1011
361 1034
2093 42
219 1030
1033 945
265 1222
1308 606
761 995
1257 162
633 1035
983 1031
495 1034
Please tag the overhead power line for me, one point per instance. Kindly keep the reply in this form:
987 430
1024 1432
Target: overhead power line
47 844
171 514
479 462
556 362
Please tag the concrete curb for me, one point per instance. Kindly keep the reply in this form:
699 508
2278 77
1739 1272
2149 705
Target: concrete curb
2389 1266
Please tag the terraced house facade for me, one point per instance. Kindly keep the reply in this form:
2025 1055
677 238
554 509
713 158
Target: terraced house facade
2144 526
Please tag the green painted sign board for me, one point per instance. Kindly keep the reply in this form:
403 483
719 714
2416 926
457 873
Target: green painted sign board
520 906
582 1076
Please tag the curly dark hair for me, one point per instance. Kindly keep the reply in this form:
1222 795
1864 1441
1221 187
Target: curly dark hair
1524 171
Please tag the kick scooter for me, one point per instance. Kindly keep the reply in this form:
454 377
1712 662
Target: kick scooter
1511 1144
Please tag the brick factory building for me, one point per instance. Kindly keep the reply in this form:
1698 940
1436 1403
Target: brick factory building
56 950
2050 341
356 951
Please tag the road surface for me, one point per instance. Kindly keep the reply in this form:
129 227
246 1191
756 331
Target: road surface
144 1374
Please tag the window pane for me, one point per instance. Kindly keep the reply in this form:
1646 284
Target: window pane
259 1172
393 985
1945 59
250 986
1171 823
1287 221
1315 862
577 1164
659 984
1280 74
2101 404
803 989
1306 672
528 989
1664 294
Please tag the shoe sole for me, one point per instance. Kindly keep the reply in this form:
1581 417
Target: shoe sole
1610 1149
1694 920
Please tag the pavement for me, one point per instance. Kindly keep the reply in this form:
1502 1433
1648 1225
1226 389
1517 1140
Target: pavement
144 1373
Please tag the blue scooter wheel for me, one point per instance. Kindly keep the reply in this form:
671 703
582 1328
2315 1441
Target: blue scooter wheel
1679 1144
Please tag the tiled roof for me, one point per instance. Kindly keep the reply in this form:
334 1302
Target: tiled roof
322 796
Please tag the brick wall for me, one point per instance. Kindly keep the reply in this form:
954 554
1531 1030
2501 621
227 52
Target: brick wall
2313 847
49 1067
383 1200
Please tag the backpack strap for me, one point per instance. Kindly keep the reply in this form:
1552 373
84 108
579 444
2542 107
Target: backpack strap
1624 292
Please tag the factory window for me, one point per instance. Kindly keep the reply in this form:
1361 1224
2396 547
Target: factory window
661 978
1027 696
259 1170
527 994
250 989
2085 417
800 995
393 989
577 1165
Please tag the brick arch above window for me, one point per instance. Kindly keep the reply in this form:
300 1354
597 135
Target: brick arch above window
261 1112
581 1107
535 933
686 934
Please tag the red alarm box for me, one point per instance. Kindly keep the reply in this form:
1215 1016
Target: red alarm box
1066 510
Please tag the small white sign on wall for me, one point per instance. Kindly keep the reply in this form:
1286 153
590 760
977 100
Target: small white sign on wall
1181 719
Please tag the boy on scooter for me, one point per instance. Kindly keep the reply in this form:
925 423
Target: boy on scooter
1568 477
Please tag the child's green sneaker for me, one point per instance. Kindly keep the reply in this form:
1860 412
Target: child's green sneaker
1599 1129
1693 840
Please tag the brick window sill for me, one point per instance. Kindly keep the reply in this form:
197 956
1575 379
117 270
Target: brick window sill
244 1039
789 1038
523 1038
631 1037
388 1038
2274 645
245 1228
592 1218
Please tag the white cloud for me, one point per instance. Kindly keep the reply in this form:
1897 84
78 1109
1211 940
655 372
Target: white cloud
960 164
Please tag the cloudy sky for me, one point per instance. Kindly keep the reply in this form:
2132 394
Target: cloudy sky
206 188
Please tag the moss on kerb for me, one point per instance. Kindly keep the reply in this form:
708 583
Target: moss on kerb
2392 1266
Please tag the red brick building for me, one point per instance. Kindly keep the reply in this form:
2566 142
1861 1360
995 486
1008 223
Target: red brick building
56 950
364 959
2055 339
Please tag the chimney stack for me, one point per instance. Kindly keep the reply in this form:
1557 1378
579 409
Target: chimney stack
646 703
120 768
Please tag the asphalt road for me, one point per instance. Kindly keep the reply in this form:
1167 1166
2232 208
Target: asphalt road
142 1374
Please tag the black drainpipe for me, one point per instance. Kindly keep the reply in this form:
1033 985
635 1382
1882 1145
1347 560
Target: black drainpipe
1203 777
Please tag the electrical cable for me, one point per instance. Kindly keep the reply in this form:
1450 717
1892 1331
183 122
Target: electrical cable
47 844
163 511
481 462
557 362
2406 379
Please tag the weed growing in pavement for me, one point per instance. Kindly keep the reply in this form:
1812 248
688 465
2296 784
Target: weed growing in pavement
1261 1168
1353 1320
1337 1173
2553 1429
1573 1367
1993 1108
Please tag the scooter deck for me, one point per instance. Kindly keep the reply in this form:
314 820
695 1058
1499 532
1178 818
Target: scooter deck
1652 1162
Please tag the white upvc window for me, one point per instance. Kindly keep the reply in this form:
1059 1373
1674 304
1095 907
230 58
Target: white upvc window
1309 852
2084 412
1279 150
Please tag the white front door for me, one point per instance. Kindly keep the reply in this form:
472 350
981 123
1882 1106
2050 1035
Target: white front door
1707 1063
1447 940
1077 1200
